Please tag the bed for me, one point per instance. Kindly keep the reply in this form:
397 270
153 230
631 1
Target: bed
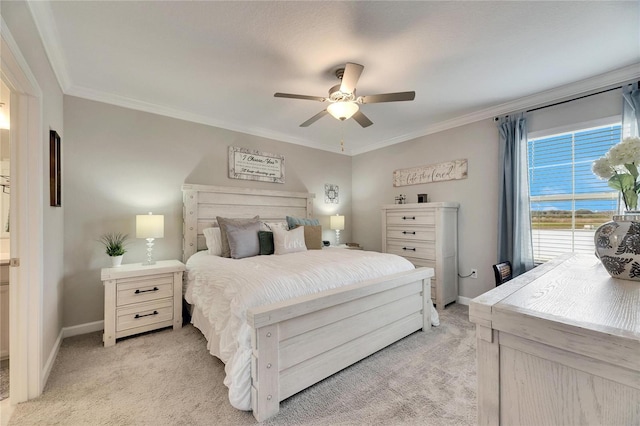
296 342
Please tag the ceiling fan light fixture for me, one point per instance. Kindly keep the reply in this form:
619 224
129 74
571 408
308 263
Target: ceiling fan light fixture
343 110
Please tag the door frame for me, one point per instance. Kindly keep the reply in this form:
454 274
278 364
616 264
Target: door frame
26 212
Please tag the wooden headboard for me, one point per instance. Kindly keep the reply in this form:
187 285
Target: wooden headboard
202 203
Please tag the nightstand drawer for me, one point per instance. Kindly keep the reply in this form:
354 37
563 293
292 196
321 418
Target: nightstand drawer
418 249
409 217
144 314
136 290
409 233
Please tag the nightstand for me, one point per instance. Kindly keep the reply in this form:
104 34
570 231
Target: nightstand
139 298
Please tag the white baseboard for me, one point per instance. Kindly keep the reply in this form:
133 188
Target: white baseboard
52 357
464 300
77 330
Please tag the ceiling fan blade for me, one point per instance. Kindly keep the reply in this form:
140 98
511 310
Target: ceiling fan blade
305 97
315 118
388 97
350 77
362 119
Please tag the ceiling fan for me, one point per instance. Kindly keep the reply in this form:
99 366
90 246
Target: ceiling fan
343 102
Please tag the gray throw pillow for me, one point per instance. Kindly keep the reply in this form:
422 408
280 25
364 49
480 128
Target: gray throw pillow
223 222
243 240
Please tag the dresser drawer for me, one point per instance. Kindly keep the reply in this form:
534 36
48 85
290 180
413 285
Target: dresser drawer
412 233
409 217
143 314
417 249
144 289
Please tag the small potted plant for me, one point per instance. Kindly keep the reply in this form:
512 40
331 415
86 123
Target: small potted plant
114 245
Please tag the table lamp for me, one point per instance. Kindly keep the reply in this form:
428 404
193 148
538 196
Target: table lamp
149 226
337 224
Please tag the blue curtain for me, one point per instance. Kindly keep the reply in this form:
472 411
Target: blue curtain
630 111
514 216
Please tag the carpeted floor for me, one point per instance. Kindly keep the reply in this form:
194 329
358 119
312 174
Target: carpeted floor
168 378
4 379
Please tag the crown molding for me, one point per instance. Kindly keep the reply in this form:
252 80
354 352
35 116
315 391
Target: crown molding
565 92
45 24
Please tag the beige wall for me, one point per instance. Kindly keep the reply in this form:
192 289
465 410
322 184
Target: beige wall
477 195
119 163
23 30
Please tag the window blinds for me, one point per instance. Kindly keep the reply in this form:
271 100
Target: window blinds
568 202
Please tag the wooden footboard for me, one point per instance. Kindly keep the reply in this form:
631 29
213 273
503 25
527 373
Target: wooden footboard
302 341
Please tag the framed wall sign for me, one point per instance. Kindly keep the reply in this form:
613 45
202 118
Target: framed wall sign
55 172
255 165
451 170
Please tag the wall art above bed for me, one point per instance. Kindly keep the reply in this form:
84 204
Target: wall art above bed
451 170
255 165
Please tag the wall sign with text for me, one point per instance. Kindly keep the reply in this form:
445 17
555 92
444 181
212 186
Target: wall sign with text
451 170
255 165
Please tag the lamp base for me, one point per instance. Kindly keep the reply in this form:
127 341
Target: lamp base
150 260
337 237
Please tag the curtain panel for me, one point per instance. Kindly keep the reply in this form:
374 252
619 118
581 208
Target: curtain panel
514 215
630 111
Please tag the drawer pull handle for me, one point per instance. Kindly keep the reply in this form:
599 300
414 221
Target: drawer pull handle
409 232
408 218
146 291
146 315
409 248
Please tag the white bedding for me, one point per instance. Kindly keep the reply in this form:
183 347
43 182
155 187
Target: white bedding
224 289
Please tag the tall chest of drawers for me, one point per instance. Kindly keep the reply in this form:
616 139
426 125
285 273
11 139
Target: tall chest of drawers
426 234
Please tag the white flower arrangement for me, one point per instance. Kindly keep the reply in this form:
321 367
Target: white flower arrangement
620 167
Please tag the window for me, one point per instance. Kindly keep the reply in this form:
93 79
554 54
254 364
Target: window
568 202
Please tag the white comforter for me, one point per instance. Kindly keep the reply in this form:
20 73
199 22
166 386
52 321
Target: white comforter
224 289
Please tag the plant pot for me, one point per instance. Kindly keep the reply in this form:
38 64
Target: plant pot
618 246
116 261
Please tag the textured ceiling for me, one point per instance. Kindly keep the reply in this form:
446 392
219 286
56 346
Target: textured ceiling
220 63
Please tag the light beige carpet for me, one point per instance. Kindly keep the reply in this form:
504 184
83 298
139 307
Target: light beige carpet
4 379
169 378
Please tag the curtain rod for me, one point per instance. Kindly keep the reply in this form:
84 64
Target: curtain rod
572 99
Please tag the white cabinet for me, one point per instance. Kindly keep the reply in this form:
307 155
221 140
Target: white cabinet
559 345
427 235
139 298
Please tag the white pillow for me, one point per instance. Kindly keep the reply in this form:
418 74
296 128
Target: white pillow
269 226
288 241
214 240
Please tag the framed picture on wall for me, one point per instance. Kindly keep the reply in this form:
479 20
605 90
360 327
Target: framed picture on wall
55 175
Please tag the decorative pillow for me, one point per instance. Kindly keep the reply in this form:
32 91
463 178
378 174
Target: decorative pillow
223 222
243 240
266 242
268 226
214 240
289 241
313 237
301 221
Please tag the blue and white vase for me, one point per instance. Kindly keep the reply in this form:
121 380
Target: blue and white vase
618 246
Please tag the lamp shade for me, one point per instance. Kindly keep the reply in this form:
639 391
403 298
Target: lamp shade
337 223
149 226
343 110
